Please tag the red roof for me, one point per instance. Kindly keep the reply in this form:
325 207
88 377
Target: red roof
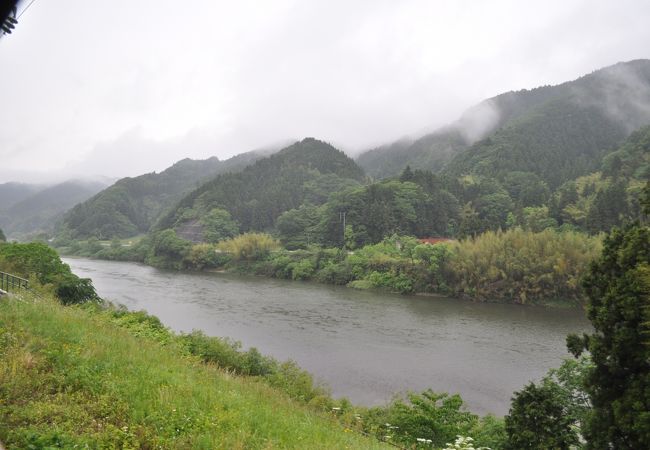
434 240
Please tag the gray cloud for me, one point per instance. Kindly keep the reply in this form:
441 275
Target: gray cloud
120 88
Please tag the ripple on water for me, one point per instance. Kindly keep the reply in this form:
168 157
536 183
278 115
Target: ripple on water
365 345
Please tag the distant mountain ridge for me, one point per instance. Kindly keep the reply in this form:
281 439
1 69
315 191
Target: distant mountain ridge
613 102
40 211
13 192
307 170
133 204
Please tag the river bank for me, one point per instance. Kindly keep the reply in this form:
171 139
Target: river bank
357 342
514 266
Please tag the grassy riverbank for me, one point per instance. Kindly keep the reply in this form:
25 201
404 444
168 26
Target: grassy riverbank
72 376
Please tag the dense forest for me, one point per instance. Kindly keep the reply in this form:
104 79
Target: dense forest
515 217
509 238
132 205
587 116
594 401
307 171
41 208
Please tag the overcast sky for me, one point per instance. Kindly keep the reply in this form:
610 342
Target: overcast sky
121 88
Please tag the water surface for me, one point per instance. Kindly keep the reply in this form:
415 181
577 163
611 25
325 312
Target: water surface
366 346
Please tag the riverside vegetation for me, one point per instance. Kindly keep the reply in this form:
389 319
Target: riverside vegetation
512 266
510 238
73 376
525 200
67 384
546 204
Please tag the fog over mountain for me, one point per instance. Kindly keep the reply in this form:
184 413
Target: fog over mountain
123 88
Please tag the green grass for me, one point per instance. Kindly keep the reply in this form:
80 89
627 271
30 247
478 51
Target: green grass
70 377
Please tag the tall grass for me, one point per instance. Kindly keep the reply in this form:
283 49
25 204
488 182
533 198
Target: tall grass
70 377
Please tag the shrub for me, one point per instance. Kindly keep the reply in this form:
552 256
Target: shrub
202 256
39 262
249 246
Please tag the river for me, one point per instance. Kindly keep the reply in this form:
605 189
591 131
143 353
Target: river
366 346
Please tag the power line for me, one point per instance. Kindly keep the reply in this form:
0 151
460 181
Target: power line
26 8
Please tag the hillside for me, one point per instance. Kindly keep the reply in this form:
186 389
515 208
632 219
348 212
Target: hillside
308 170
74 377
39 212
12 193
525 129
132 205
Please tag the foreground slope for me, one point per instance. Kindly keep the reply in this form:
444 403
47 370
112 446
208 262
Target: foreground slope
132 205
71 378
585 117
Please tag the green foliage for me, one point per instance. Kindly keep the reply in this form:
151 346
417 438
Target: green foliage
132 205
298 227
558 141
556 132
218 226
205 256
40 263
249 246
2 236
105 378
40 211
526 188
513 266
430 152
521 266
383 209
431 416
72 290
553 413
539 419
259 194
430 419
167 250
535 219
617 287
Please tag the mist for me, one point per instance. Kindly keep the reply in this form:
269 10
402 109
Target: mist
122 88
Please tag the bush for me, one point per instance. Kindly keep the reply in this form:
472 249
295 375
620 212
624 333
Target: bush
249 246
72 290
521 266
302 270
202 256
428 420
539 418
39 262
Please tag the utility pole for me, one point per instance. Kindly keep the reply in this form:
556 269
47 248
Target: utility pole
342 220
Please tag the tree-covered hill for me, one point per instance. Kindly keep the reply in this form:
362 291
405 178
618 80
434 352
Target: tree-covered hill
558 141
596 111
308 170
39 212
11 193
610 196
132 205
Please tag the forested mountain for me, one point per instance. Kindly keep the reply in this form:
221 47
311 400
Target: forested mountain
11 193
416 204
569 126
132 205
40 211
604 199
307 171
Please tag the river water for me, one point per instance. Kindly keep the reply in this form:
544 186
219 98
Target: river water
366 346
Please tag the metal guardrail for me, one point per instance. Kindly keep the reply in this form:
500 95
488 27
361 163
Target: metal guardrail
9 282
